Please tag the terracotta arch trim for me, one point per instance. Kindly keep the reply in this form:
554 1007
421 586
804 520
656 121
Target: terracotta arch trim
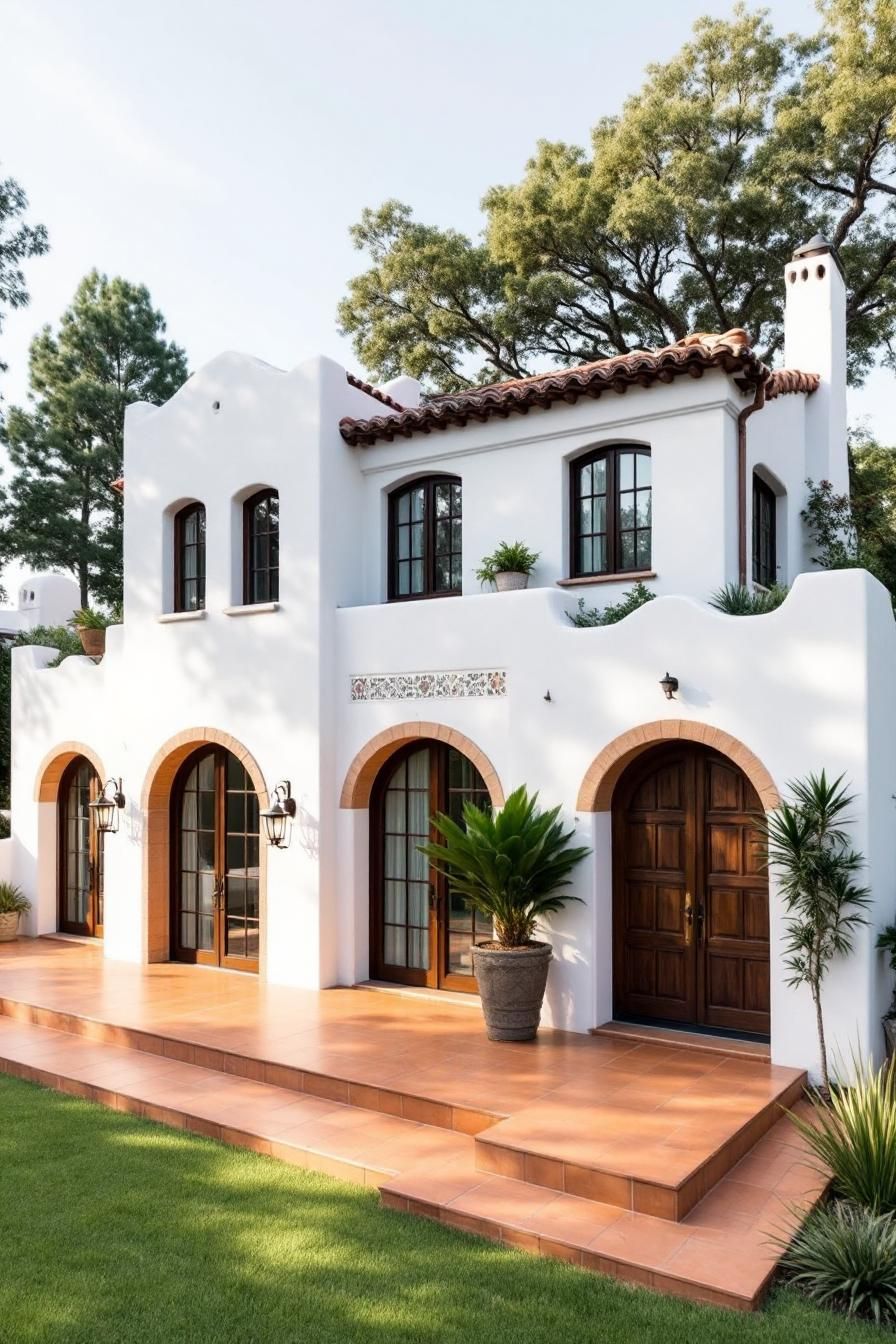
601 777
365 767
54 765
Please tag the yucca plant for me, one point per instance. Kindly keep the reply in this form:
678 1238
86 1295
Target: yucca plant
808 844
845 1256
13 900
736 599
854 1137
509 865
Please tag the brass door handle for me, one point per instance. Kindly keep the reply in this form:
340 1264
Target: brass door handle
688 919
218 895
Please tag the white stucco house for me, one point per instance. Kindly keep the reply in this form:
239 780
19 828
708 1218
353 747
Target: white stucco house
301 606
41 599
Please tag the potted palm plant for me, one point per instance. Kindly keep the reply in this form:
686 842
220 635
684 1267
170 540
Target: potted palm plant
509 866
13 903
91 627
508 567
886 942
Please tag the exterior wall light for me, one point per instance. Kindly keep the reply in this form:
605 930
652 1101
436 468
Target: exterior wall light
278 817
669 685
106 807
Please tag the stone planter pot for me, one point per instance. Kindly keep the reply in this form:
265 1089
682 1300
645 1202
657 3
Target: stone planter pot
511 985
510 581
9 926
93 642
890 1036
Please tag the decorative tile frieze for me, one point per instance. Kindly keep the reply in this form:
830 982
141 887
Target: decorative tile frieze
429 685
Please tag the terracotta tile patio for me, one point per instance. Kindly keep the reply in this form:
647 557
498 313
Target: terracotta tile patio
656 1163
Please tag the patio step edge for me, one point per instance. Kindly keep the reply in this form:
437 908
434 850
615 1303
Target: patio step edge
383 1100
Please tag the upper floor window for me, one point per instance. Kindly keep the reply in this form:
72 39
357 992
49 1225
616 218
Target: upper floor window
261 543
425 527
765 560
610 524
189 558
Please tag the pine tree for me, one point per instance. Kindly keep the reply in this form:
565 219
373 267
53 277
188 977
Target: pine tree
58 511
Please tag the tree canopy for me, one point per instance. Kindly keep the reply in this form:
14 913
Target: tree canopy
679 217
58 511
18 241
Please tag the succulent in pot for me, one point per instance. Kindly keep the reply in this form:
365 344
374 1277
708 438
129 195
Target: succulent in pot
91 627
508 567
886 942
510 866
13 903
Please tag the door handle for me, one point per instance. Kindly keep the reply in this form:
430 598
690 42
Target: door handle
433 897
688 919
218 894
701 923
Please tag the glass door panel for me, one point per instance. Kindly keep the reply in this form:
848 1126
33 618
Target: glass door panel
241 861
81 853
404 945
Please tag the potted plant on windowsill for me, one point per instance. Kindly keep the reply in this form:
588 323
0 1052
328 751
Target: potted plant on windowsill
91 627
13 903
886 942
508 567
509 866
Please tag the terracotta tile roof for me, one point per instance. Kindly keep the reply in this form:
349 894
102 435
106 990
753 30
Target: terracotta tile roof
117 485
730 351
372 391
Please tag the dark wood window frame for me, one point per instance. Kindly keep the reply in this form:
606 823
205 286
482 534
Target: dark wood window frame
765 532
613 532
185 583
261 582
92 926
429 521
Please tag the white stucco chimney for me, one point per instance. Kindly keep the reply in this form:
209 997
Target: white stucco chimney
815 342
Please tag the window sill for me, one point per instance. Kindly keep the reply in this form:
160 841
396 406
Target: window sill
630 576
252 609
170 617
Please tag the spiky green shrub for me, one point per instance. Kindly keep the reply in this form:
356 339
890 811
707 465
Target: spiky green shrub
508 557
616 611
844 1256
13 900
854 1137
736 599
510 865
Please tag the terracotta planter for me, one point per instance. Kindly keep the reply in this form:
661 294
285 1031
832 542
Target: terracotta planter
9 926
93 642
511 985
890 1036
510 581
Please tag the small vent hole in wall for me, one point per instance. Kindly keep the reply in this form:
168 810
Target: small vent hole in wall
216 406
805 273
820 272
792 277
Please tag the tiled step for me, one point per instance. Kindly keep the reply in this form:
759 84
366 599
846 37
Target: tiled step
721 1253
329 1086
340 1140
651 1144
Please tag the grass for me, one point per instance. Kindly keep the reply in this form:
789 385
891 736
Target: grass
114 1229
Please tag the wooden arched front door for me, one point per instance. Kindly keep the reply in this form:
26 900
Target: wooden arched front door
690 906
80 852
215 896
420 934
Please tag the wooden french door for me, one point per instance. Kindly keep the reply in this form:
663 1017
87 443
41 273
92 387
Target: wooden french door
215 916
80 852
421 933
690 909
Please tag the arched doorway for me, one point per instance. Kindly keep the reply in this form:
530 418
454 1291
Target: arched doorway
419 933
690 898
80 865
215 886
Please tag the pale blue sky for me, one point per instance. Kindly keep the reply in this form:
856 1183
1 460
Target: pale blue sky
218 152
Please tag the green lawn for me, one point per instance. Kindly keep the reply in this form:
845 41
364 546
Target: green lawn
115 1229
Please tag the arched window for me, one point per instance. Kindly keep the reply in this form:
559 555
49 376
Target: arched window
189 558
765 507
610 512
425 526
261 547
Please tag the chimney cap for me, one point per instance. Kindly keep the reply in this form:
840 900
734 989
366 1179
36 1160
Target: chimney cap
818 246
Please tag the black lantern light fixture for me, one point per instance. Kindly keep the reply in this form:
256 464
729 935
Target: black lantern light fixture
279 816
669 685
106 807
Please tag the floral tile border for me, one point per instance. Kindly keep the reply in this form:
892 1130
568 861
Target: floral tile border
429 685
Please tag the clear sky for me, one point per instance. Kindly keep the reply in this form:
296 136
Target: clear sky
219 151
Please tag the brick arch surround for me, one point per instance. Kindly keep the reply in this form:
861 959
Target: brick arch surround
366 766
54 765
156 805
596 791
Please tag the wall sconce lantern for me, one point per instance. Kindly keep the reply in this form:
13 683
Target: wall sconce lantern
106 807
279 816
669 685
